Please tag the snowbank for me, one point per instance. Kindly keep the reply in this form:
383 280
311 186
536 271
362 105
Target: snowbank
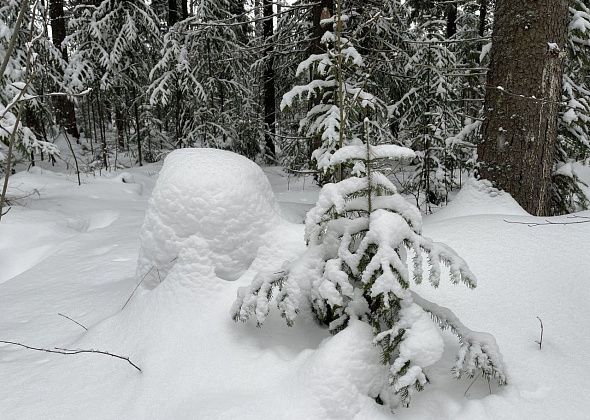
197 363
478 198
207 204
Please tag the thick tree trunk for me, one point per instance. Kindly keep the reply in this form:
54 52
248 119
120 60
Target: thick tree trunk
66 114
520 132
269 82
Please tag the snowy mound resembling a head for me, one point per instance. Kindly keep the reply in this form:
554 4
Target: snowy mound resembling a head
207 202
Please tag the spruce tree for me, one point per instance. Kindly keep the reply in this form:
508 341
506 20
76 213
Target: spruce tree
365 249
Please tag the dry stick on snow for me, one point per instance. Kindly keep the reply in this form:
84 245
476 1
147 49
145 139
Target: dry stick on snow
58 350
138 284
73 320
549 222
471 384
540 341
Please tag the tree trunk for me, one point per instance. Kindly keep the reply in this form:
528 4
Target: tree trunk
65 112
326 7
269 82
483 11
451 20
120 126
318 30
172 12
520 132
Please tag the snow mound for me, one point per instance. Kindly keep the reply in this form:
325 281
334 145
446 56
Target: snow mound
345 373
209 202
478 198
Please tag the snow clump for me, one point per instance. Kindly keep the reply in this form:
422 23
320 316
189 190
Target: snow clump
209 202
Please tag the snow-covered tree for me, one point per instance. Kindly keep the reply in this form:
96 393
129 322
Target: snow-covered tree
337 94
203 77
365 248
24 54
574 122
114 45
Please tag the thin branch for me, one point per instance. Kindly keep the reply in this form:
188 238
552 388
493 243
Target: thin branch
549 222
137 286
58 350
540 341
73 320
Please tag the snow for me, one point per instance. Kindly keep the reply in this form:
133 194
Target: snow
74 250
215 202
479 198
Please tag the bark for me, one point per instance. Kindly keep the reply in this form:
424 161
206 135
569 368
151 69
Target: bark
269 82
138 132
64 108
451 16
316 47
318 31
520 133
483 12
120 126
172 12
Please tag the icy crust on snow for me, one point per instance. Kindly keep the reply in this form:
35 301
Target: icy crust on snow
479 197
212 201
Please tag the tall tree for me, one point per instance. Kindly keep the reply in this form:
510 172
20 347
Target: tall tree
64 108
522 99
172 12
269 81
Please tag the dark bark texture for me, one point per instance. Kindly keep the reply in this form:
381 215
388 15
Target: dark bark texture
319 30
64 108
451 15
269 82
172 12
520 132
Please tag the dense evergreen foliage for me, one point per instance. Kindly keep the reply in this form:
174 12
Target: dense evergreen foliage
148 77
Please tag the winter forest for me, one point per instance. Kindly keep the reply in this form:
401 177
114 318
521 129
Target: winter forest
294 209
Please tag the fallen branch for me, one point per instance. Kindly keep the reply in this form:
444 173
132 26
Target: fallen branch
73 320
137 286
549 222
540 341
58 350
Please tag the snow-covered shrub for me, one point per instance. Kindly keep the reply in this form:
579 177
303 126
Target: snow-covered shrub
365 248
214 201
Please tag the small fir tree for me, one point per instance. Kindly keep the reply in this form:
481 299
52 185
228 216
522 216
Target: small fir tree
364 250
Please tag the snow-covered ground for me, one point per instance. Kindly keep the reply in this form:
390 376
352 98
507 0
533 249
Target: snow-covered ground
73 250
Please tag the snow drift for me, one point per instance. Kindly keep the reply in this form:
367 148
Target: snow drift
213 204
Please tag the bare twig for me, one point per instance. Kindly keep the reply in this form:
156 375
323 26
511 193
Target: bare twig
540 341
137 286
73 320
58 350
471 384
549 222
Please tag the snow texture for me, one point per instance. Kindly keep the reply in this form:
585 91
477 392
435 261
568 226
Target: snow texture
198 364
215 203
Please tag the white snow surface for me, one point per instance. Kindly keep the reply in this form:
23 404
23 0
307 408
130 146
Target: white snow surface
211 202
74 250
